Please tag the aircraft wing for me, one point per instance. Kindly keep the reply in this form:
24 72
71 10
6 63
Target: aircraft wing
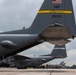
20 57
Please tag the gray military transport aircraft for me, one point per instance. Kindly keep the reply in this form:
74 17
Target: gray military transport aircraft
54 23
58 52
22 62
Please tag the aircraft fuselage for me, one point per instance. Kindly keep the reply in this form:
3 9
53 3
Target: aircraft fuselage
12 42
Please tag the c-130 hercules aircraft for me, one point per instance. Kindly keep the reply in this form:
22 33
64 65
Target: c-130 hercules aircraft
22 62
54 23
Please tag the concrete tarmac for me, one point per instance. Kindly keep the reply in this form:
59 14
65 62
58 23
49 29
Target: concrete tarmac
13 71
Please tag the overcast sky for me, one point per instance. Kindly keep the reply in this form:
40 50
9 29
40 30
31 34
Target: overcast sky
16 14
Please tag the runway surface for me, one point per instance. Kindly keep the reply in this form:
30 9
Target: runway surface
13 71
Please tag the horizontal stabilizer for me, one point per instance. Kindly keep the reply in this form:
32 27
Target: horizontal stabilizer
59 42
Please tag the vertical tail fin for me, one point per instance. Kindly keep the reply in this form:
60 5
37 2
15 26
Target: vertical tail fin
53 12
62 63
56 14
59 51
